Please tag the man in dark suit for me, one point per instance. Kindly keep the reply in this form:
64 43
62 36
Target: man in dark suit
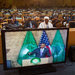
30 23
41 52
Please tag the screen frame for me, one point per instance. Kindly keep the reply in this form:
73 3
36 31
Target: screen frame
35 66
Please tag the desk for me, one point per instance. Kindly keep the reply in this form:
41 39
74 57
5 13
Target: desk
0 26
4 23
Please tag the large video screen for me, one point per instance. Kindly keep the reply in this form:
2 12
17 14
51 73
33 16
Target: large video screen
35 47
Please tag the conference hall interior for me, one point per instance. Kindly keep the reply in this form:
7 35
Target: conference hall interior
34 15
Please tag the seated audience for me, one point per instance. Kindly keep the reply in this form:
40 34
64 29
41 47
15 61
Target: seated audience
37 18
30 23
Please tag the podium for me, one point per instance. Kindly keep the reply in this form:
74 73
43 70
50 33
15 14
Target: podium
43 61
40 68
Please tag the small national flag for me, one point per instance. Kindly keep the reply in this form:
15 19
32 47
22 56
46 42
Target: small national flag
44 39
58 48
29 44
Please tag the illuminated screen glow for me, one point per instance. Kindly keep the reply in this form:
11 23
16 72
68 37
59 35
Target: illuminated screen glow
29 48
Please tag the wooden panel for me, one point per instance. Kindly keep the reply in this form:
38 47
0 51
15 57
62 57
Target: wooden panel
73 2
71 37
35 3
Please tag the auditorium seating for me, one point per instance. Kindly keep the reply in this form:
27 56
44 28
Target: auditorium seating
72 24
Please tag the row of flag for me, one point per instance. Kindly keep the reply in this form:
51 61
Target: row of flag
56 49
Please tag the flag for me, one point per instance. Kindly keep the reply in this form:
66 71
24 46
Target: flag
29 44
58 48
44 39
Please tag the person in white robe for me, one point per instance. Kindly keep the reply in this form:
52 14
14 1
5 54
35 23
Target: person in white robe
46 23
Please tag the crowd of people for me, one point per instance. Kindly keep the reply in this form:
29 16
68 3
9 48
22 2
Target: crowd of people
36 18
